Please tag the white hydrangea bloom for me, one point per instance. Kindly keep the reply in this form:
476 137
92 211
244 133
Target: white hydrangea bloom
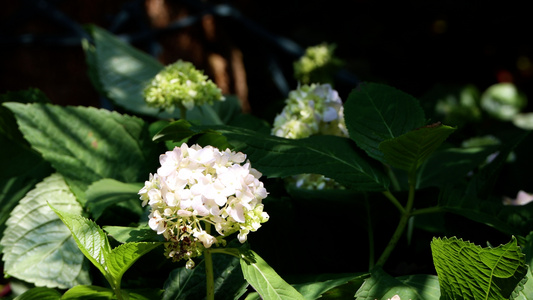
196 185
311 110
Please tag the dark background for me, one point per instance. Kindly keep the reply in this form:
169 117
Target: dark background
248 47
411 45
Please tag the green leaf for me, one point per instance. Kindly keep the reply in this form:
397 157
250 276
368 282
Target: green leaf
383 286
324 283
107 192
467 271
451 165
476 201
89 237
23 168
265 280
142 233
175 131
93 242
122 257
85 144
37 247
408 151
41 293
190 284
376 112
89 292
121 72
335 157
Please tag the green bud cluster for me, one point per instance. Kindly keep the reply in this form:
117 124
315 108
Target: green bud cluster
181 84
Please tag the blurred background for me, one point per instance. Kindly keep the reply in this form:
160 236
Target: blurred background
248 47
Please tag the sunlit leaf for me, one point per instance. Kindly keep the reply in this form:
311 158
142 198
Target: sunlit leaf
86 144
467 271
37 247
107 192
142 233
89 237
41 293
121 72
265 280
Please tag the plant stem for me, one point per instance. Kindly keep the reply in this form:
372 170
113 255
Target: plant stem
183 112
406 214
427 210
394 201
209 277
370 235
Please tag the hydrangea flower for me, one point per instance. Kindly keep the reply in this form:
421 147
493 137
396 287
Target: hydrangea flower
181 84
317 64
196 186
310 110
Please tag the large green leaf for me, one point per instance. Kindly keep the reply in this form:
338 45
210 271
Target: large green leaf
475 201
229 283
377 112
329 286
108 192
91 292
451 165
41 293
22 167
37 247
94 244
142 233
89 237
121 72
383 286
467 271
335 157
85 144
265 280
408 151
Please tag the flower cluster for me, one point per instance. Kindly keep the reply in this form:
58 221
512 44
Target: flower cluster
311 110
196 188
317 64
181 84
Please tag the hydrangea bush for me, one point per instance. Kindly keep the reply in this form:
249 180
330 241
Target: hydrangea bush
103 205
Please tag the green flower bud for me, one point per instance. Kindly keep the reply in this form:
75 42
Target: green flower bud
181 84
317 64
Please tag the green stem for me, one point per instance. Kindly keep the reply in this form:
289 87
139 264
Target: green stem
394 201
209 276
406 214
427 210
183 112
394 180
370 235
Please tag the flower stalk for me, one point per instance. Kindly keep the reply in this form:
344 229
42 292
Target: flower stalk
406 214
